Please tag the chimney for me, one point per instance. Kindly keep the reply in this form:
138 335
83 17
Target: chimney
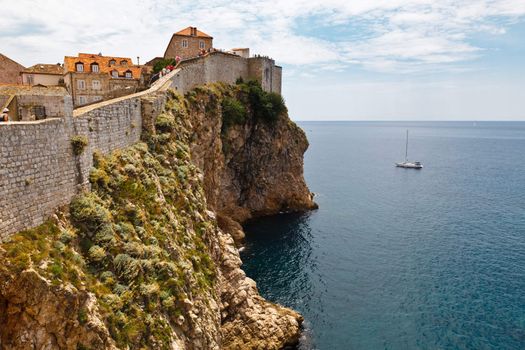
194 31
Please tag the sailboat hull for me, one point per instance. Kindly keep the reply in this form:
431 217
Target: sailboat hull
409 165
406 164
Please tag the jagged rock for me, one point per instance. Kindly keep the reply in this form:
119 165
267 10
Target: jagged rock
170 255
37 315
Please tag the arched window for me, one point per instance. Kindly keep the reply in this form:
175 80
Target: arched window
128 74
114 73
79 67
95 68
112 62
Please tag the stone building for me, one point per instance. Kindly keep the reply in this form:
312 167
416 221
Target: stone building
228 68
188 43
28 103
9 71
43 74
92 77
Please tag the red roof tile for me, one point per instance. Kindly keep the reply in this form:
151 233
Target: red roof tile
122 64
45 69
188 32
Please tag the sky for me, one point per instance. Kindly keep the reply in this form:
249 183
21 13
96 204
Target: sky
341 59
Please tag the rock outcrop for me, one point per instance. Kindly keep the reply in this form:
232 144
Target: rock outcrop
252 168
147 258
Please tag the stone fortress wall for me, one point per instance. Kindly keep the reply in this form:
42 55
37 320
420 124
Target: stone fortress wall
39 171
226 67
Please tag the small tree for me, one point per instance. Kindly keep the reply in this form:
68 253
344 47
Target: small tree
79 143
233 112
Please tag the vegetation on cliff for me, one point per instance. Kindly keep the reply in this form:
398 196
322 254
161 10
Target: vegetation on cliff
138 240
143 247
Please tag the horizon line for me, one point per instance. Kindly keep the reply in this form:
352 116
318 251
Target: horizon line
409 120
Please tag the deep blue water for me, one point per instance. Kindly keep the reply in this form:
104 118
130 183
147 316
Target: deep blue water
398 258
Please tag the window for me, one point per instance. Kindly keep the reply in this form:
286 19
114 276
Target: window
96 84
112 62
201 44
81 84
95 68
30 79
184 43
79 67
129 75
114 74
97 98
82 100
123 63
39 112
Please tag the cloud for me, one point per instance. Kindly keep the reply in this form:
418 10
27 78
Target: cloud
382 35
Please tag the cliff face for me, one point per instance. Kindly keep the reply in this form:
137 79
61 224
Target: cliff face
253 167
147 259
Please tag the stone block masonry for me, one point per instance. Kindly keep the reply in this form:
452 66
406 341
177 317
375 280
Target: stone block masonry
221 66
39 171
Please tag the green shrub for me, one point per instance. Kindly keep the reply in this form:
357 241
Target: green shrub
266 106
56 270
105 235
87 212
82 316
165 123
163 63
79 143
96 253
66 236
233 112
126 267
99 177
278 106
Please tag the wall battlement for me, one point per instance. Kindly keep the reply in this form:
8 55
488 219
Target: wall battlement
39 171
226 67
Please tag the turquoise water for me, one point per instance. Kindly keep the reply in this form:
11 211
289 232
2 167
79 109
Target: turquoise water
398 258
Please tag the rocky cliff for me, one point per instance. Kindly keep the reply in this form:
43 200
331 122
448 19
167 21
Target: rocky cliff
146 259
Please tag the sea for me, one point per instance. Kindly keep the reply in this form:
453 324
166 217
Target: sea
401 258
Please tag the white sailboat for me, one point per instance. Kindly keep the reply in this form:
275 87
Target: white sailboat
406 163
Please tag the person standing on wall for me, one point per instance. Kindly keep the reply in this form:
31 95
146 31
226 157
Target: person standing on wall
4 117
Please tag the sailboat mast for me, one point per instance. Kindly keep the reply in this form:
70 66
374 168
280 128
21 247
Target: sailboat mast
406 149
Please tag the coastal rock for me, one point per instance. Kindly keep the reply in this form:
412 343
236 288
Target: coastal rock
37 315
248 320
251 169
148 258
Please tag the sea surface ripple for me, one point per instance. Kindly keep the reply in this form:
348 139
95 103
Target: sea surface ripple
397 258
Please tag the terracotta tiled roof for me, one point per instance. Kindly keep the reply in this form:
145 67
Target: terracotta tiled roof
4 57
45 69
122 64
188 32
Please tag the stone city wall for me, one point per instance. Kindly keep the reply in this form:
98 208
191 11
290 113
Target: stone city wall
56 106
220 66
39 171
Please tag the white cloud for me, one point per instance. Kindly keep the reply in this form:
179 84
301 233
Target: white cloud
404 35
